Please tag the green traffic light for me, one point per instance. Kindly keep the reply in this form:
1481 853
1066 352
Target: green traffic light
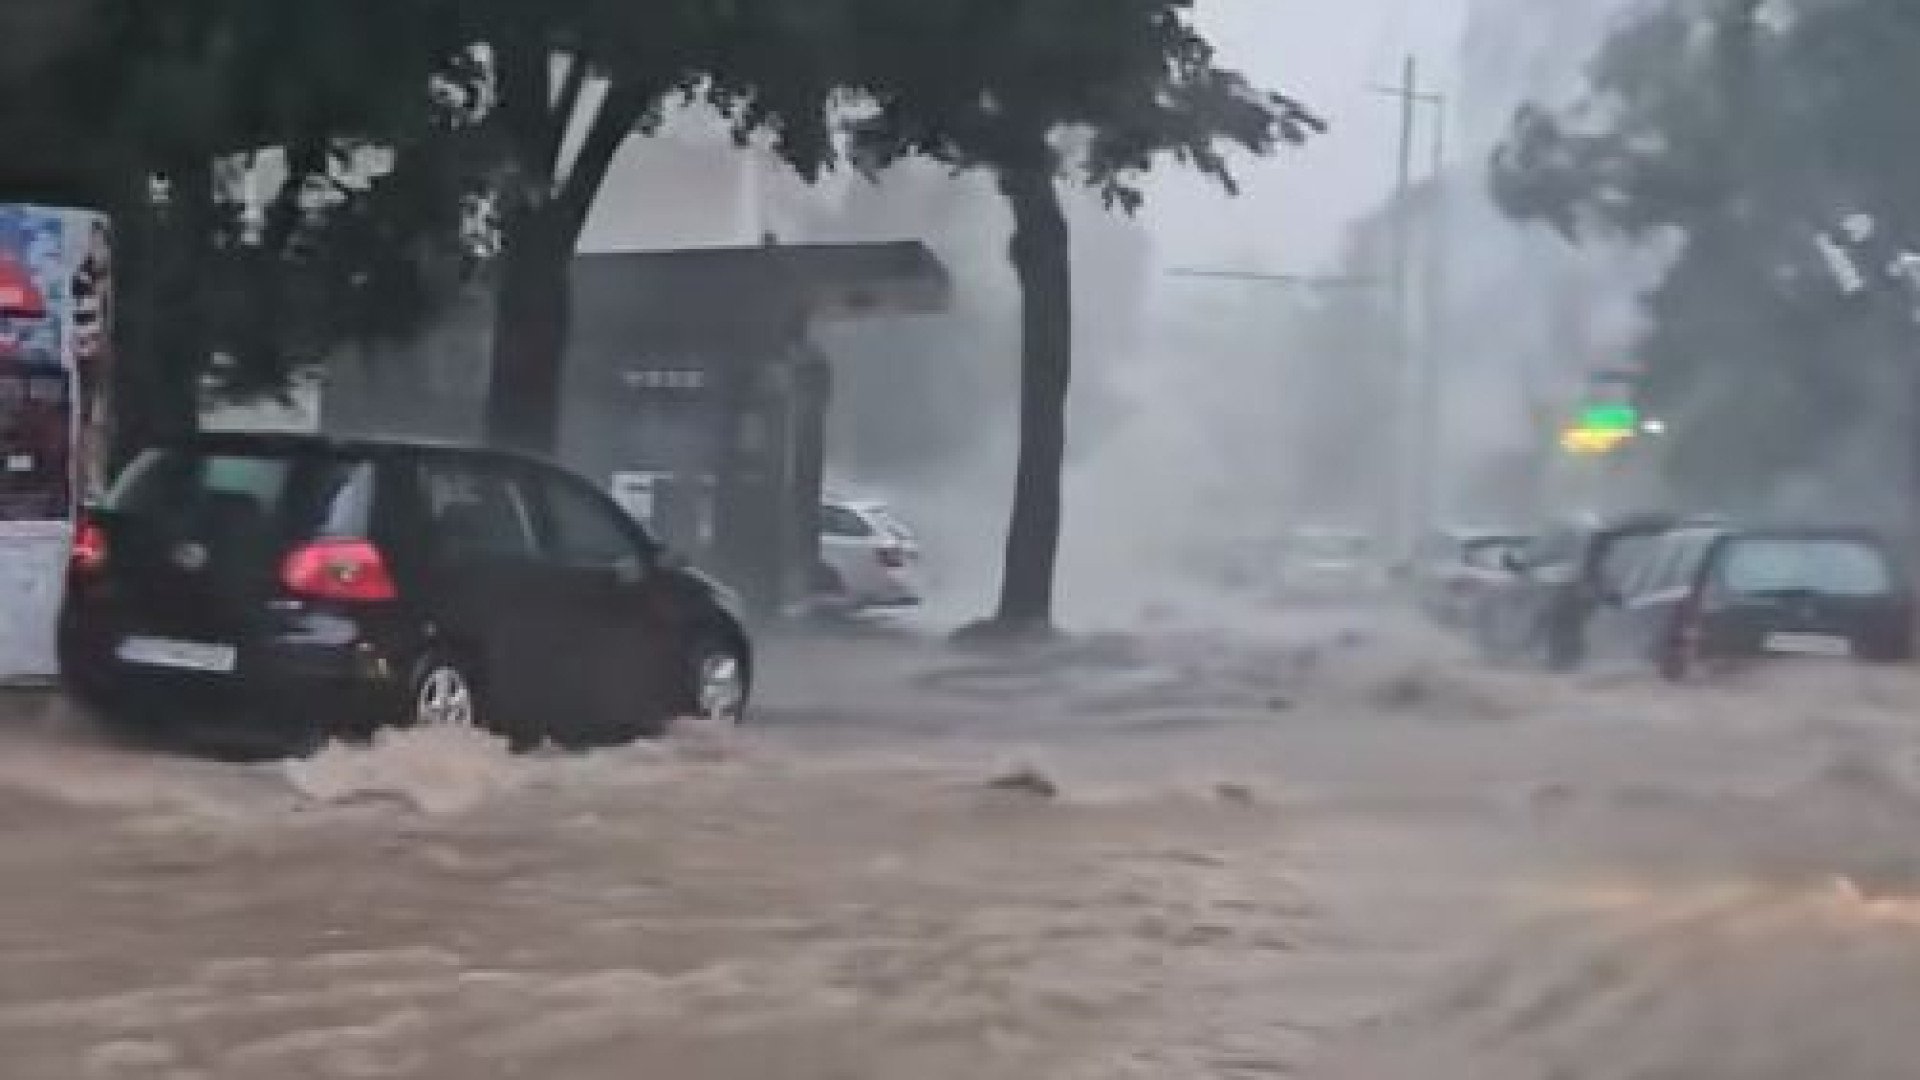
1610 418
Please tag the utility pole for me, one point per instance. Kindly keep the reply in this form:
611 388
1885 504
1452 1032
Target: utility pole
1416 430
1406 431
1313 282
1431 461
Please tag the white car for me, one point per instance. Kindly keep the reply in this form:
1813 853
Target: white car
868 559
1457 568
1322 562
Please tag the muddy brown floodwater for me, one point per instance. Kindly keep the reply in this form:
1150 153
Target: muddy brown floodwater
1346 852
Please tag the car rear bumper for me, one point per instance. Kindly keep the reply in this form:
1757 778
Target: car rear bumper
286 694
1866 639
893 589
891 600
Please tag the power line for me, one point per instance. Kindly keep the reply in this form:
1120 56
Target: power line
1260 277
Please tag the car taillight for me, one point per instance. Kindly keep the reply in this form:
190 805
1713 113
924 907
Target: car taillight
348 570
89 548
893 558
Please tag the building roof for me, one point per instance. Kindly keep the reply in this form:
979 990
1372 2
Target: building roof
842 280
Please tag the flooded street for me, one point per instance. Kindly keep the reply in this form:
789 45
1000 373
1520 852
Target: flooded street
1345 852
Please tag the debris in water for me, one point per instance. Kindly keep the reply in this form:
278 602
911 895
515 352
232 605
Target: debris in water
1027 780
1234 792
1552 798
1404 692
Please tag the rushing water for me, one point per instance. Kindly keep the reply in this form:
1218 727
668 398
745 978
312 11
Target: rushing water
1195 855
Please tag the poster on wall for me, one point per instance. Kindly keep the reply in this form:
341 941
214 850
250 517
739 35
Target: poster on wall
56 292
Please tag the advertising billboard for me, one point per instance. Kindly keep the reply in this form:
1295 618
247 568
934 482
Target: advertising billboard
56 317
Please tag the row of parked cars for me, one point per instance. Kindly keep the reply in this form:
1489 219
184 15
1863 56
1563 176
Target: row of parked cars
1679 592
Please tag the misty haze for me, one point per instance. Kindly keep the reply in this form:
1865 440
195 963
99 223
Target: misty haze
1082 539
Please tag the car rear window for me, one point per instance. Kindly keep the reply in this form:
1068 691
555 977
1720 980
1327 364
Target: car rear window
1490 552
840 521
885 519
289 498
1562 547
1828 567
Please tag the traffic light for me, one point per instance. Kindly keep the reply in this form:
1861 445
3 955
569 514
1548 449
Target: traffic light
1611 418
1593 442
1601 429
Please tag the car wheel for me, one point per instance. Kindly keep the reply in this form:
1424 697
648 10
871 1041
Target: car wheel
720 681
1504 635
1677 657
445 696
1563 647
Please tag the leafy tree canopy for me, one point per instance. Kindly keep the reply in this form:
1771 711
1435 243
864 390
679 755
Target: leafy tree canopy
1748 131
1124 81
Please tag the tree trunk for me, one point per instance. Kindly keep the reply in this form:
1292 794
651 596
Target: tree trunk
531 318
162 334
534 306
1042 261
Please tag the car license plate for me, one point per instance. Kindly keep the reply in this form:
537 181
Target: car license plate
1809 645
179 655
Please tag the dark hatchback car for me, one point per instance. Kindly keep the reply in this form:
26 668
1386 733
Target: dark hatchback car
1701 595
252 593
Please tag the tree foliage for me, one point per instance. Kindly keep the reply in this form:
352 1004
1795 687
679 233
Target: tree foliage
1120 83
1746 131
517 109
393 135
566 83
278 175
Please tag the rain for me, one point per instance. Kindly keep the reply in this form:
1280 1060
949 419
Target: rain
865 540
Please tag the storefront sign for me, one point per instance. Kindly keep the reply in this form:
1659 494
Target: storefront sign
56 295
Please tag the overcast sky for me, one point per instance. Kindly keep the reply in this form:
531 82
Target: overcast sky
1329 53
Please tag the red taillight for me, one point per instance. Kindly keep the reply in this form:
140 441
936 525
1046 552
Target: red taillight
348 570
89 548
893 558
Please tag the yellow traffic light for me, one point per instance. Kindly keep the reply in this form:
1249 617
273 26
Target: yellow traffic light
1593 442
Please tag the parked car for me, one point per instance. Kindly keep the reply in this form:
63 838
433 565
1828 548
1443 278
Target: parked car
1458 568
1541 612
1717 593
1330 563
268 592
868 559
